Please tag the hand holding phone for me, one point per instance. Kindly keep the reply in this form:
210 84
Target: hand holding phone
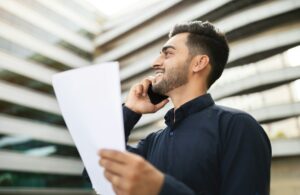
139 95
155 98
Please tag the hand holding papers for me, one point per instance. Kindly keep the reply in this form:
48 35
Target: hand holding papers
90 102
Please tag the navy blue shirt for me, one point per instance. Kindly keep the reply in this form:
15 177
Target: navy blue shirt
207 149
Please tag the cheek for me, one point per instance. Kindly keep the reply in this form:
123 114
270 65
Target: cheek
174 64
180 60
177 62
171 63
170 72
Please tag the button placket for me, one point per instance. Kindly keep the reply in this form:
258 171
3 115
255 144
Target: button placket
171 152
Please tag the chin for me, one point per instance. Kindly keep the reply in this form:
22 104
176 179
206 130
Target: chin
155 87
156 82
158 79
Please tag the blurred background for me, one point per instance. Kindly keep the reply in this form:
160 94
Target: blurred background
41 37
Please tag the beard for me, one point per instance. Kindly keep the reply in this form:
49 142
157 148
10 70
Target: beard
172 79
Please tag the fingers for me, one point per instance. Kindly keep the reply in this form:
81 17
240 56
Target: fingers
141 89
116 190
146 83
119 157
115 180
113 166
113 155
161 104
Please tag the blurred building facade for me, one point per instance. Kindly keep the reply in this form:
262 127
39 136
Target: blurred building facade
39 38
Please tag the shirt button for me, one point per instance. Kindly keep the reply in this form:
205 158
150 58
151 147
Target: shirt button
171 133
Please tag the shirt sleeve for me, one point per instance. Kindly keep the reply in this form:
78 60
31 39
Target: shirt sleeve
130 119
246 158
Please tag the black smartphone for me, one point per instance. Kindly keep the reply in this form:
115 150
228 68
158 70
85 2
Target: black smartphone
155 98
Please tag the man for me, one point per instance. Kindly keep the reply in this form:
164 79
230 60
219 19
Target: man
205 148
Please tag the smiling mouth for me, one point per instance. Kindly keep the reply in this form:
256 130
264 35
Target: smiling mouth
159 73
158 77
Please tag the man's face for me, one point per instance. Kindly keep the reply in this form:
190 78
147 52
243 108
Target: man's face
172 65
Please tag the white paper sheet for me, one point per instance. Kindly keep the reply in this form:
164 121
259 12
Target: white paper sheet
90 102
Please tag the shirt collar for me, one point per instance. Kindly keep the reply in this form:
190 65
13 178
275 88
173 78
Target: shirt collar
195 105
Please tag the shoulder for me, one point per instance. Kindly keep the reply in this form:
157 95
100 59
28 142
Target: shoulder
236 116
228 116
240 127
236 122
227 111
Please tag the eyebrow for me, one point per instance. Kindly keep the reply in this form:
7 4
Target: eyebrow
167 47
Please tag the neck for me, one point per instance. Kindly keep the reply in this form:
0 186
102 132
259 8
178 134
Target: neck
185 93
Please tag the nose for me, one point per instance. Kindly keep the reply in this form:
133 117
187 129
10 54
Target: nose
158 62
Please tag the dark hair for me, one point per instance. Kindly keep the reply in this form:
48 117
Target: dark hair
204 38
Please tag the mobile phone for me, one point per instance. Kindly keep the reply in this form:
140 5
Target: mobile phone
155 98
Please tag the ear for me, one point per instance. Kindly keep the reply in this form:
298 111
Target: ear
200 62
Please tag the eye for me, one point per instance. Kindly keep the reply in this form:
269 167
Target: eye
167 53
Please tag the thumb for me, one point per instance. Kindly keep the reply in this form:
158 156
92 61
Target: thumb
161 104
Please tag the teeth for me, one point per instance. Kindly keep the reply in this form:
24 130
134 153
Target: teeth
159 72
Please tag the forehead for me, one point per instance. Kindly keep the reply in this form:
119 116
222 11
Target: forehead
178 41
